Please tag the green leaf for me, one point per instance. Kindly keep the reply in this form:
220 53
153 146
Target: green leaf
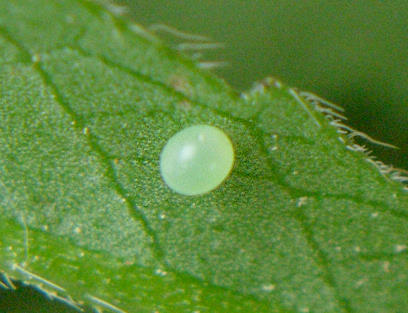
305 223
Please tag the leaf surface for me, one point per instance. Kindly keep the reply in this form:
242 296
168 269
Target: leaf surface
88 100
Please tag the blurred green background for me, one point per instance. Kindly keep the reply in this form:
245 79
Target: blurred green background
354 53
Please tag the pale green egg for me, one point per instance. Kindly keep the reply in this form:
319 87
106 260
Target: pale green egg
196 160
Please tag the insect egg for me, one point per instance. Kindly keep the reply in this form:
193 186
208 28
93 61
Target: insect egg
196 160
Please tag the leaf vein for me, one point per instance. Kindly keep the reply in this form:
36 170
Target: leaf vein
322 261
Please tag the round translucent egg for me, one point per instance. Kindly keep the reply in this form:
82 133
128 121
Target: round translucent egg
196 160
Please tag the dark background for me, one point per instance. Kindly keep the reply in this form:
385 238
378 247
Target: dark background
354 53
